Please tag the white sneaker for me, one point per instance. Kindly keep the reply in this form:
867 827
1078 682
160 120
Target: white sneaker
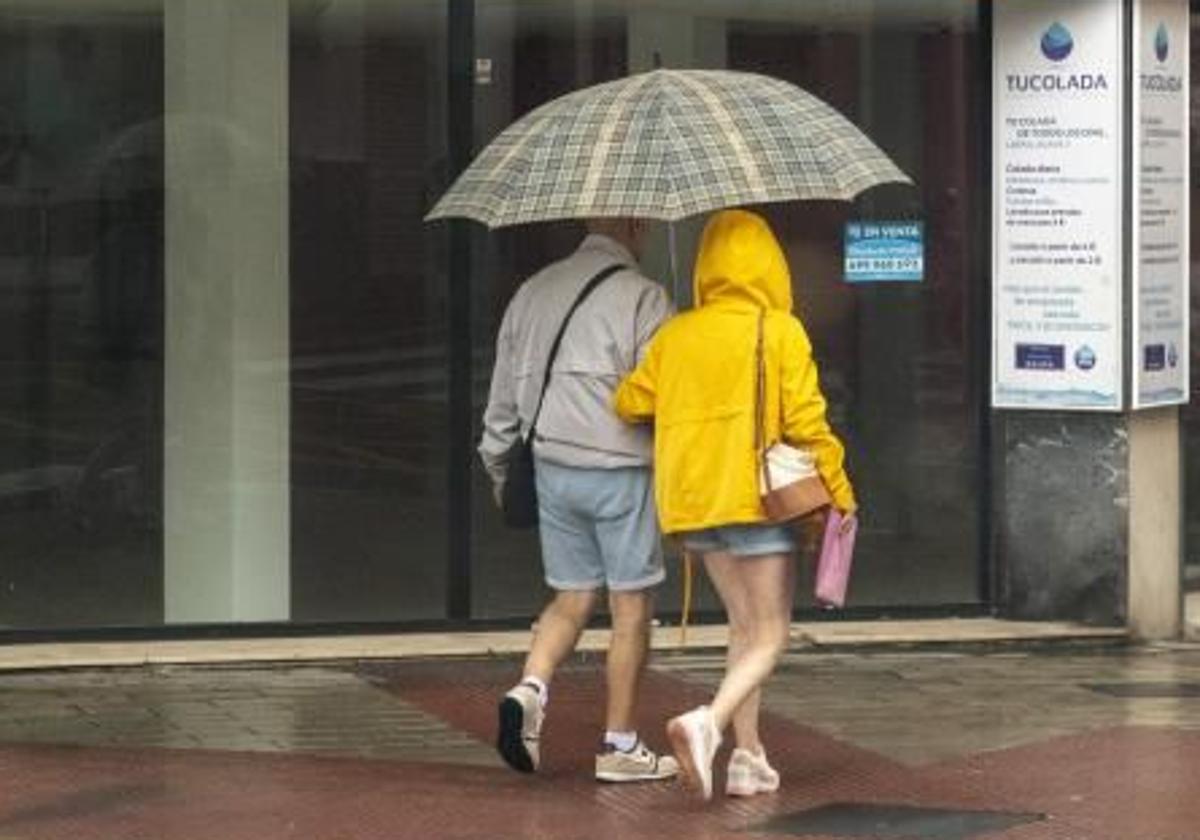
641 764
521 717
695 739
750 774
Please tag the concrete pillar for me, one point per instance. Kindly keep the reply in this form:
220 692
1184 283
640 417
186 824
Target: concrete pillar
1090 518
1155 524
1062 515
227 450
1090 505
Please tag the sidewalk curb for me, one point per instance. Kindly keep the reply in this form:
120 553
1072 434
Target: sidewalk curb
823 636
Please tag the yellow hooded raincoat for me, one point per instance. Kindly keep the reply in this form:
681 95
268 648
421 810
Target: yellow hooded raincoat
697 384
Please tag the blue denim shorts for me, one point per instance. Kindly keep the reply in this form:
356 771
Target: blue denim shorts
742 540
599 527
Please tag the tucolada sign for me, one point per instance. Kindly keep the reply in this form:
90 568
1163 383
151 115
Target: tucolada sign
1159 237
1057 192
1090 204
1056 45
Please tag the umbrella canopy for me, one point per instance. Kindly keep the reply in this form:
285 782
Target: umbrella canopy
665 145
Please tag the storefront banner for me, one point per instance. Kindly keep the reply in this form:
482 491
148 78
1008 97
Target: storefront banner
881 252
1160 199
1057 187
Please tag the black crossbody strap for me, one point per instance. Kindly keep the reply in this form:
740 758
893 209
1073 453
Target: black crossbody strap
583 294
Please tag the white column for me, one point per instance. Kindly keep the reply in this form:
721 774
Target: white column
227 449
1155 524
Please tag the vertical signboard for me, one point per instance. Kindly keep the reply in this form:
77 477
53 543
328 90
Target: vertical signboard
1057 187
1159 347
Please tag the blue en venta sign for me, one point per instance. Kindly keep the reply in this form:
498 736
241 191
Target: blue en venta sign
885 252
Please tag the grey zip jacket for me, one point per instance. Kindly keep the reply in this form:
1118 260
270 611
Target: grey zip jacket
604 342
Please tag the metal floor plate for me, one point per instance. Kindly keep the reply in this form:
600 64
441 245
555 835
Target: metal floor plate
893 822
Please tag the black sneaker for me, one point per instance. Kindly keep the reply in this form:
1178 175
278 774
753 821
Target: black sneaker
520 728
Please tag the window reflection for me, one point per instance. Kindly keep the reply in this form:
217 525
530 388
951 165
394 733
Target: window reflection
369 335
80 316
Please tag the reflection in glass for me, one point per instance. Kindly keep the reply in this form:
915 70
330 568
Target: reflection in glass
368 315
81 282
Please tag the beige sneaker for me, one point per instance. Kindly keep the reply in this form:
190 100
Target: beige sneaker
521 717
695 739
750 774
641 764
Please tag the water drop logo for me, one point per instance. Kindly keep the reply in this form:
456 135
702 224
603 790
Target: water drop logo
1057 42
1162 43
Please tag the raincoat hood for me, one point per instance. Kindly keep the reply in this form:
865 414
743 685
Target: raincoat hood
740 260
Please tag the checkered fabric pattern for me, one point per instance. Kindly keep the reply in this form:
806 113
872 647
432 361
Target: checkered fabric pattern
665 145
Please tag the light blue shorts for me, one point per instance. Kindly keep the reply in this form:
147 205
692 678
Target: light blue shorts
598 528
742 540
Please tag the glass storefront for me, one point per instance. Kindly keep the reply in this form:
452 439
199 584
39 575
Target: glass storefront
369 329
81 315
900 362
241 375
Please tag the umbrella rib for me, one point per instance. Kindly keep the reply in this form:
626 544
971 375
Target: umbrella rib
528 136
673 200
600 151
732 133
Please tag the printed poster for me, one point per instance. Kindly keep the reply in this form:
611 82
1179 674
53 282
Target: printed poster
884 252
1160 357
1057 187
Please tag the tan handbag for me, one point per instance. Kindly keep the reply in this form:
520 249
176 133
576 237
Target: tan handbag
788 481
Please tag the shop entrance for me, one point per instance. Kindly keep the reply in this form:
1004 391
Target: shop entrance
902 363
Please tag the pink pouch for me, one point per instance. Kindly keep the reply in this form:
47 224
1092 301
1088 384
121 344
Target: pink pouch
837 555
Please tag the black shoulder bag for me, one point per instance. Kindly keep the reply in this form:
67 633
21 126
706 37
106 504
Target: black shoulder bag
519 501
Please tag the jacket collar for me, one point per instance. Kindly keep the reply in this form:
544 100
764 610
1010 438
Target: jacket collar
599 243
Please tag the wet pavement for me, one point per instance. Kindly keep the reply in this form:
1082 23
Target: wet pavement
1057 741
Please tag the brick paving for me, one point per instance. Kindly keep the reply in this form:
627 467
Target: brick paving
399 750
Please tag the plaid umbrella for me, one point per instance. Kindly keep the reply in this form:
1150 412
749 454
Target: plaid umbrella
667 144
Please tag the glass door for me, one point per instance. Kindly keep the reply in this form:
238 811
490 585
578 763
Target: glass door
369 331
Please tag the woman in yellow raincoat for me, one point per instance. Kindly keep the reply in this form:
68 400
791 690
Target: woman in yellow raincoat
697 383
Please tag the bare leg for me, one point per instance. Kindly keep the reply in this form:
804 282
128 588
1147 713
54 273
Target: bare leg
745 716
631 612
722 570
757 592
558 630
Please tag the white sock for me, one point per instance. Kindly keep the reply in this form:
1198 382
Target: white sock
543 690
623 741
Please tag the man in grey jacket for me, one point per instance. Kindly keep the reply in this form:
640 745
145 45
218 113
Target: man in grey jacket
597 520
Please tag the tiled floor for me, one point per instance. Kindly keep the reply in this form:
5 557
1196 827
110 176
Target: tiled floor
318 710
1072 741
990 702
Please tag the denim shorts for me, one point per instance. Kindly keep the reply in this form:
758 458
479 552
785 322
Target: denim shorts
742 540
599 527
